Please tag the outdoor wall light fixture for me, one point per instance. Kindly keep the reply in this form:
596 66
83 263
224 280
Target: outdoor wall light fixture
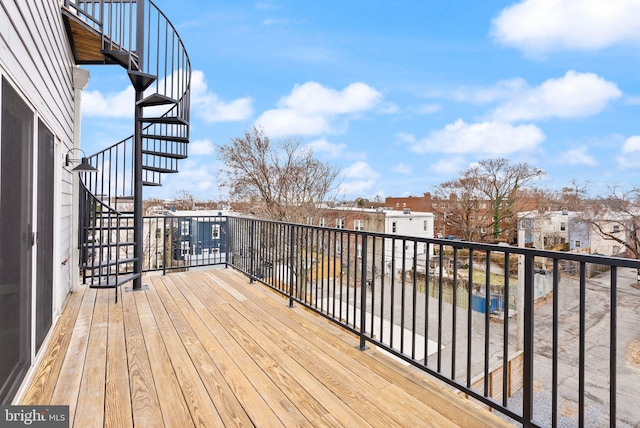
84 165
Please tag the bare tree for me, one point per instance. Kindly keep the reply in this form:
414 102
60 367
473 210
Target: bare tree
499 181
616 217
460 205
574 195
285 179
486 196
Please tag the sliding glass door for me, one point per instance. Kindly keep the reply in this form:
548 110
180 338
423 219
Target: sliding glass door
16 240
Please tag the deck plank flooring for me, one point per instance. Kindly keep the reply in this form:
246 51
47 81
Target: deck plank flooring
206 348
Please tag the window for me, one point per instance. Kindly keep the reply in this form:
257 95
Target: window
215 231
184 227
483 229
394 227
425 225
578 244
340 223
397 204
323 222
184 247
358 225
563 226
404 205
616 228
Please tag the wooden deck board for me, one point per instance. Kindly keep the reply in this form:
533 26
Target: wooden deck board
44 380
207 348
200 405
118 395
70 377
172 403
145 403
91 404
205 328
357 385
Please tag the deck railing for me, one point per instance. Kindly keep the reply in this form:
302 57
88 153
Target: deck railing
457 310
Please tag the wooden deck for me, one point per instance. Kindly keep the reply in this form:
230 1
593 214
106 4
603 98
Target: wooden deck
208 349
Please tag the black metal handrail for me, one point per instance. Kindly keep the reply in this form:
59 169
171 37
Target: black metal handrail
457 310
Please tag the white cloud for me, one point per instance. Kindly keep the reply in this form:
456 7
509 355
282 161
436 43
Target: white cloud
331 150
573 95
578 156
360 169
196 179
334 150
312 109
201 147
488 138
625 162
449 166
282 122
359 178
538 26
632 144
312 98
402 169
118 105
211 108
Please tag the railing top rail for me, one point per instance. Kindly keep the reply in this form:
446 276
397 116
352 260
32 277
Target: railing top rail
552 254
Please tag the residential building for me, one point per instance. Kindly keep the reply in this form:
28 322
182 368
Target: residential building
550 229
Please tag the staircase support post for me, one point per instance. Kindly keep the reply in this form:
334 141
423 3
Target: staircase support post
138 222
138 233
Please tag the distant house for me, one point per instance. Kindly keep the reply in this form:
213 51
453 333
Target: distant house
551 229
403 223
614 225
199 235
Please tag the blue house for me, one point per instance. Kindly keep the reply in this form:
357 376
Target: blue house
200 236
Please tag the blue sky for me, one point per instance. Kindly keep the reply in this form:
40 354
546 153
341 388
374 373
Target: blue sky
403 95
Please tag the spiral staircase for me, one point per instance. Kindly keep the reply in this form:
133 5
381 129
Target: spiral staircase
137 36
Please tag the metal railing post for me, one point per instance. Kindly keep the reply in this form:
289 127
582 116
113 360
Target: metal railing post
251 250
527 386
363 294
291 263
164 246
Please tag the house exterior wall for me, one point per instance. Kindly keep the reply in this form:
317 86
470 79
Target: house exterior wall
407 223
36 61
607 246
195 234
579 236
550 229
